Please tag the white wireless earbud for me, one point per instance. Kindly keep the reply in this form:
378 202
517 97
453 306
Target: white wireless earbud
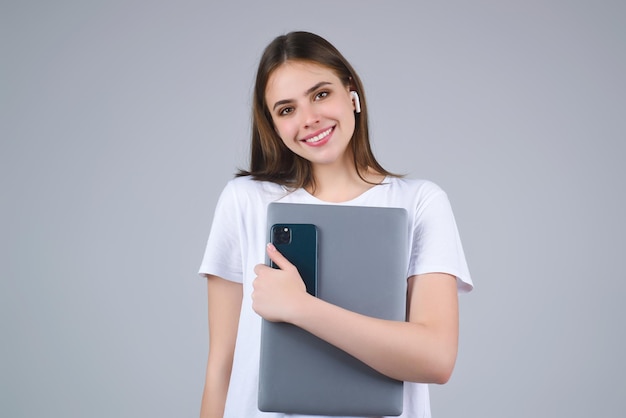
357 101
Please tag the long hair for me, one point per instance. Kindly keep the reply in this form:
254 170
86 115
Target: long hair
270 159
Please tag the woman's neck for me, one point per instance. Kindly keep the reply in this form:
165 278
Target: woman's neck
342 183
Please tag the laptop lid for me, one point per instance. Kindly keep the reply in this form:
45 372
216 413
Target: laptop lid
362 266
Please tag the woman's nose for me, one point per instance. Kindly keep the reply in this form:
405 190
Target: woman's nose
310 116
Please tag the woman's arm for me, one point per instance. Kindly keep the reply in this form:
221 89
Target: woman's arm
423 349
224 301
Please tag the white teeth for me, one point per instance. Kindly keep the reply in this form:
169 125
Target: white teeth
319 137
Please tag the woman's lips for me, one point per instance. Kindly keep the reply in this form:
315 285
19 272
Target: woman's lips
319 138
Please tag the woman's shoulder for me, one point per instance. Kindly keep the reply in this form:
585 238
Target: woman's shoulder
248 183
247 187
414 185
410 193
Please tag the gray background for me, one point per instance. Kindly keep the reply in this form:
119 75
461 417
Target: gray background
122 120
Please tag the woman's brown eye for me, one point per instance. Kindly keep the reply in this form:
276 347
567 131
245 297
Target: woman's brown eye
321 95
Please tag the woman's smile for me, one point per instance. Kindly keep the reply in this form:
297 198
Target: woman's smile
319 139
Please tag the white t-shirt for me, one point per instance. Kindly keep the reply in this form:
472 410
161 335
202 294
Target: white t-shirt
237 243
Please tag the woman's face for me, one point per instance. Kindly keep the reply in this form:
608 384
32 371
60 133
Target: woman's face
312 111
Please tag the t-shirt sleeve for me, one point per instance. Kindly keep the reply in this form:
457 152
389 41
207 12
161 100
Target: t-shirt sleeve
436 243
222 256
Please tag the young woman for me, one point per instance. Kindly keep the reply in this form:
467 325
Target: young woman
310 144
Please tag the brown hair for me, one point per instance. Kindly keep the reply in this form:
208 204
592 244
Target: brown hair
270 159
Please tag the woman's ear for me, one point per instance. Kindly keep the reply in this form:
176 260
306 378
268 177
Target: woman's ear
356 101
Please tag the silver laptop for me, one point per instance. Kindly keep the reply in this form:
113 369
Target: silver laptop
362 263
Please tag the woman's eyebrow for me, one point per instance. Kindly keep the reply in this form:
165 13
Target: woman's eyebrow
306 93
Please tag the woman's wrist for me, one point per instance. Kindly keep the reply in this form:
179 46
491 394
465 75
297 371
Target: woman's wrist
302 309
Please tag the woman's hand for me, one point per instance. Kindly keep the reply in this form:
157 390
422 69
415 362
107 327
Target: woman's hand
278 293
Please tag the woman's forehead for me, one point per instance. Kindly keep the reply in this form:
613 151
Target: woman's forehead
296 77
